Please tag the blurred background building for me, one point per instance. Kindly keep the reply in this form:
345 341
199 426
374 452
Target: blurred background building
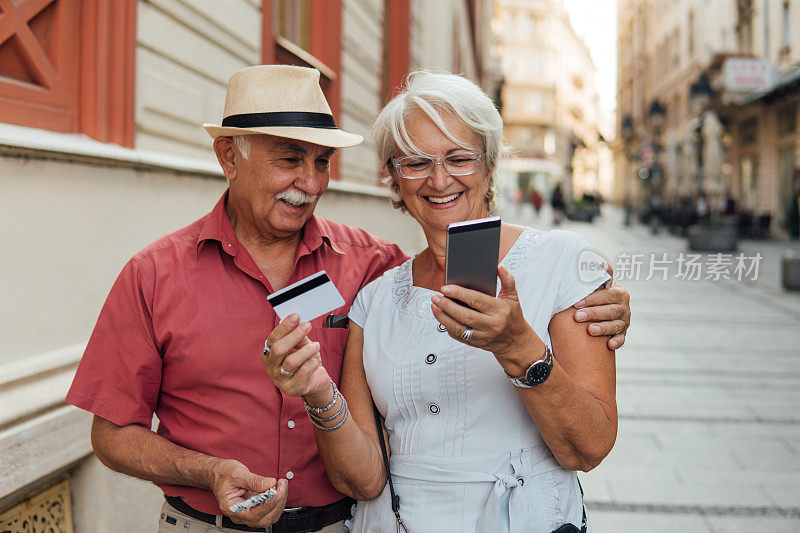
554 122
102 151
707 110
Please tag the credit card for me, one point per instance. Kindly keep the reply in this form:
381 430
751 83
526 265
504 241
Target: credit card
310 297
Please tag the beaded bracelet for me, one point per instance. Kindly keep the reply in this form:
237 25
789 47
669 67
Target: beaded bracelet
319 410
318 418
338 425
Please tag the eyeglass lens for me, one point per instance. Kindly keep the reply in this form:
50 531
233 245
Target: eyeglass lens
421 166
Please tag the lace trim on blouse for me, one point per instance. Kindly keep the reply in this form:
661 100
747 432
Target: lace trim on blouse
417 300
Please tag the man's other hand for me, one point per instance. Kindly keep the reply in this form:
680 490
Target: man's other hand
608 310
234 483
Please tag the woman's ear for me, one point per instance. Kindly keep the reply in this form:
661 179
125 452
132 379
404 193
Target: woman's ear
226 155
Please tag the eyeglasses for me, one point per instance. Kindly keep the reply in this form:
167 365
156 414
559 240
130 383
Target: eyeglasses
421 166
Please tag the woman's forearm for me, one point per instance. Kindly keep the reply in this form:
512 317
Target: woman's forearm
352 459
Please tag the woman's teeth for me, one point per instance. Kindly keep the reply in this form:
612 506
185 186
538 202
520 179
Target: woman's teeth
443 199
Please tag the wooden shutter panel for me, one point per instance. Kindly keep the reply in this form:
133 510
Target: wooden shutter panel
68 66
39 56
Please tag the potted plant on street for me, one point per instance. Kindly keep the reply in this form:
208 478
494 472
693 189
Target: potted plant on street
711 233
584 210
712 236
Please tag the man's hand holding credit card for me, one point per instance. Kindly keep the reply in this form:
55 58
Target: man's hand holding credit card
291 359
310 297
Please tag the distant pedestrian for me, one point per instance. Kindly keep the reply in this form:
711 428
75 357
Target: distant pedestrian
793 209
557 203
536 200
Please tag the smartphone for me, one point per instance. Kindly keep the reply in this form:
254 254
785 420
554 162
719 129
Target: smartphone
473 248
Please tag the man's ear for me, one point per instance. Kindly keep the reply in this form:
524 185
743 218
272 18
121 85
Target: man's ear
226 155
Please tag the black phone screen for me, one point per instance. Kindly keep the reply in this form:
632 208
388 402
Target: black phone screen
473 248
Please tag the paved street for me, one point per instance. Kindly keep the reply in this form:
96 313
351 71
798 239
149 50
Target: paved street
708 390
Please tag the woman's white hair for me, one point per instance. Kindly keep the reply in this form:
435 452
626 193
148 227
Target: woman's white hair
433 94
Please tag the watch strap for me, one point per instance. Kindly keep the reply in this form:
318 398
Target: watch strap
521 381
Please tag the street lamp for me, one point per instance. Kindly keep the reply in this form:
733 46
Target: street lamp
656 114
700 97
627 130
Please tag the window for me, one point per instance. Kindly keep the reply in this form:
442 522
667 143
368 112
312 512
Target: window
787 120
61 68
787 27
748 130
533 103
785 177
306 33
290 20
748 190
675 110
676 48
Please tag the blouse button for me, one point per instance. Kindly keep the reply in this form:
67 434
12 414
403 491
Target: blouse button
434 409
441 328
431 358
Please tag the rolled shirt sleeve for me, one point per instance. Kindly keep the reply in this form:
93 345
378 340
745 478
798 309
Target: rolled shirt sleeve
119 375
581 270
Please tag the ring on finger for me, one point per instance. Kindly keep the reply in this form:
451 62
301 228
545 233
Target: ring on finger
286 373
467 334
266 348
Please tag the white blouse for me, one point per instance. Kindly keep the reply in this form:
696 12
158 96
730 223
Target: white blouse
465 454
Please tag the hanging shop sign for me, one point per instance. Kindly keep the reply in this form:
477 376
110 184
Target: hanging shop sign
748 74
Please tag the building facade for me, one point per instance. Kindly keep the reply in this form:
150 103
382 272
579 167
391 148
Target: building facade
738 58
550 105
102 151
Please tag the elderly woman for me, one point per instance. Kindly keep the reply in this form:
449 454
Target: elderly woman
485 430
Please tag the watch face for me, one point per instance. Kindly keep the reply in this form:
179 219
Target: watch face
537 373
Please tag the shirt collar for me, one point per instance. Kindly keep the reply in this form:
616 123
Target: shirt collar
218 227
316 234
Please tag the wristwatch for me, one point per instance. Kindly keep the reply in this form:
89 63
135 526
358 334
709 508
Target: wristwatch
537 373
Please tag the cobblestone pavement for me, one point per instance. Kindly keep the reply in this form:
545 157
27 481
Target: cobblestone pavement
708 389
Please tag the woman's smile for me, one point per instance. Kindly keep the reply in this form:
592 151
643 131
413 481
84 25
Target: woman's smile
443 202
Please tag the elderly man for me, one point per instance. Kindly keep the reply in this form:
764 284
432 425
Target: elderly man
183 326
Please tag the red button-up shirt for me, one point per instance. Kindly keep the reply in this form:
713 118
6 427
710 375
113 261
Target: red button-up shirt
180 336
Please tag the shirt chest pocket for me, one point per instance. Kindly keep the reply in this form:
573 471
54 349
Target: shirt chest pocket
332 343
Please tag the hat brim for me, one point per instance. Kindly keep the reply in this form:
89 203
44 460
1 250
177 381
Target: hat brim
334 138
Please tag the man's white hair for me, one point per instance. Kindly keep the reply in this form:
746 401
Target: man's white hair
242 144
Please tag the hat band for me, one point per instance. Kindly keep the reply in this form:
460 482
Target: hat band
303 119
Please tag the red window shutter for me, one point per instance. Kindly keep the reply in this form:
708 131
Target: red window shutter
68 66
39 53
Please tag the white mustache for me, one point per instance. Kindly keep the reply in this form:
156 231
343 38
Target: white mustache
296 197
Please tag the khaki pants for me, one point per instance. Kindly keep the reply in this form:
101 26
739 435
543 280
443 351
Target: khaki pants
187 524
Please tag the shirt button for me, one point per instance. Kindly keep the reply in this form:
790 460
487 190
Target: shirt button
431 358
290 424
441 328
434 409
289 474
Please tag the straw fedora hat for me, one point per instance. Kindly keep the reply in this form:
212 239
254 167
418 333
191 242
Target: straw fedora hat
280 100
